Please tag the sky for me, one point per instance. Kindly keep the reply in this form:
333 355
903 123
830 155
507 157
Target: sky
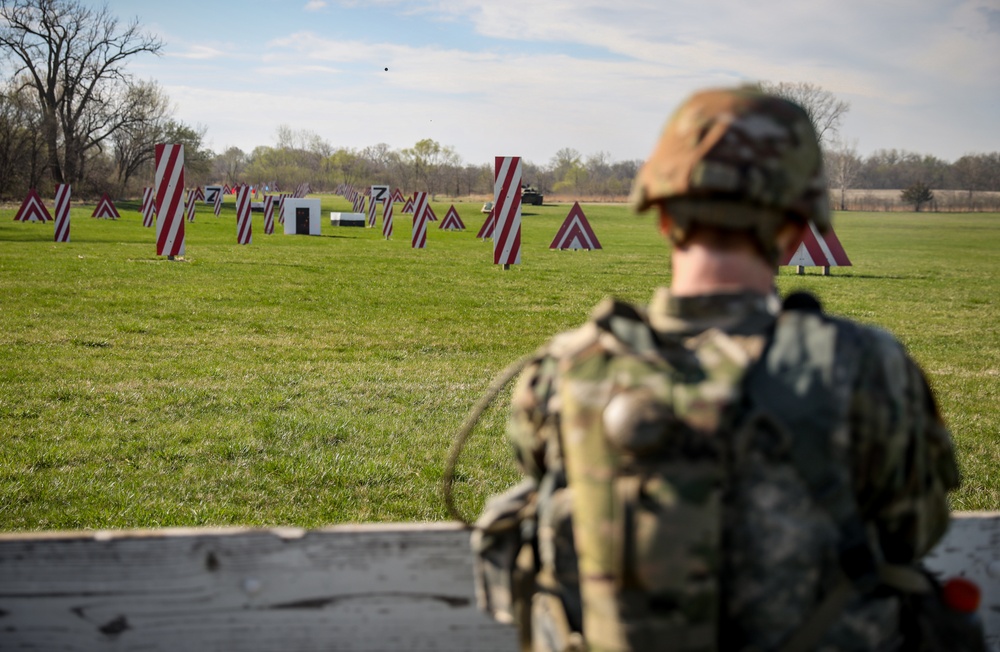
530 77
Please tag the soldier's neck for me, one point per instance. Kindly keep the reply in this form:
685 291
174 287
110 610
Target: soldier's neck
698 269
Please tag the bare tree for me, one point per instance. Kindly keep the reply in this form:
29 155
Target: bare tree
73 58
21 147
144 120
823 108
842 168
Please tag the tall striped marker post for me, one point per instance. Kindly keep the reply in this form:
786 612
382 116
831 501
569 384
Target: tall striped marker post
217 205
244 226
387 219
372 213
268 219
281 208
169 200
62 212
419 237
269 212
148 207
379 194
507 211
192 198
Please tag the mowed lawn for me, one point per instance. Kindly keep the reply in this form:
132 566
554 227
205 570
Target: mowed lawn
315 380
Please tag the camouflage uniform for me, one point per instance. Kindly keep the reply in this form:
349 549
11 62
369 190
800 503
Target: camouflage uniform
701 469
779 549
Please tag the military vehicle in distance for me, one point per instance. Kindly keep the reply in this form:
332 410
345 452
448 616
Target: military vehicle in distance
530 195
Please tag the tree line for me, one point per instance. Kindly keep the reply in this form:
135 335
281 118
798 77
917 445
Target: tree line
70 112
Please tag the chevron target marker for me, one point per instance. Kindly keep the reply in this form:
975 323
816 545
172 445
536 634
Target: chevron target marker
32 209
575 232
452 221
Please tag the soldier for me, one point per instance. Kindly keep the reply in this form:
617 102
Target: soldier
716 470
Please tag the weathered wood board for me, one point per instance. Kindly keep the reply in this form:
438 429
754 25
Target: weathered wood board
370 587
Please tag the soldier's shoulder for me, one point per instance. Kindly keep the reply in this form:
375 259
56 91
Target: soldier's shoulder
611 318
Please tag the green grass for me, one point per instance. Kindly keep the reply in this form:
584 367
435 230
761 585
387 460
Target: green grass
315 380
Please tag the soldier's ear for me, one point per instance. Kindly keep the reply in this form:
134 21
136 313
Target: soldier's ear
789 235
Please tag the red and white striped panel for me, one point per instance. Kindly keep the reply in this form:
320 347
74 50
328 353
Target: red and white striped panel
32 209
169 200
419 237
816 250
387 219
268 217
217 206
575 232
148 207
268 209
191 201
244 225
281 208
372 214
452 221
397 195
62 212
507 210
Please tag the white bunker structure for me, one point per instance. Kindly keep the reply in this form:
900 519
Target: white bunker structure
302 216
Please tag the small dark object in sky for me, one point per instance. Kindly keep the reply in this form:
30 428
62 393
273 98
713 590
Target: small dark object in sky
387 69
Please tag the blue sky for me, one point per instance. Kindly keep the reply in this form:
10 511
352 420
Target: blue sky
529 77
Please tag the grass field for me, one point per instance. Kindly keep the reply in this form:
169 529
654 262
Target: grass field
315 380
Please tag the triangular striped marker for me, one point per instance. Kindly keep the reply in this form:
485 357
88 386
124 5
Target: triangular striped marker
816 250
32 209
106 208
451 221
430 214
397 195
487 229
575 232
408 206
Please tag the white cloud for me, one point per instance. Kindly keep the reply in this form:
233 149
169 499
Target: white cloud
198 52
919 75
315 5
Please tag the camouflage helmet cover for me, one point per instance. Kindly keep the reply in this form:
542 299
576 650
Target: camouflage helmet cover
754 157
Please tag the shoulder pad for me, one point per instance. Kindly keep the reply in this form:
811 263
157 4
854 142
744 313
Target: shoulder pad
627 323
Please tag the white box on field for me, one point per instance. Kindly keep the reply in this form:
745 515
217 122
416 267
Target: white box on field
347 219
302 216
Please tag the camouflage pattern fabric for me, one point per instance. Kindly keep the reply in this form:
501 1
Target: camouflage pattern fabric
664 521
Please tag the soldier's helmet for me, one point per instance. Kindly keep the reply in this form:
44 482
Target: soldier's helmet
736 158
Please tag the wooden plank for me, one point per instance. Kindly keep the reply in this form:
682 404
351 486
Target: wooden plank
357 588
370 587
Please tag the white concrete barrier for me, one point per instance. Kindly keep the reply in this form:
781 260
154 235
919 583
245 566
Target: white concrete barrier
359 587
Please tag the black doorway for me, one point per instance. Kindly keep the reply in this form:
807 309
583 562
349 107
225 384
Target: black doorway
301 220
